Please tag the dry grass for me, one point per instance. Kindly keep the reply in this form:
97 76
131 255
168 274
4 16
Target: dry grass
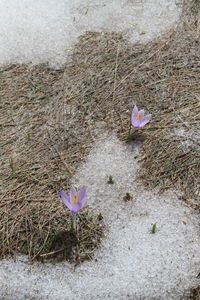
39 155
50 119
59 241
196 294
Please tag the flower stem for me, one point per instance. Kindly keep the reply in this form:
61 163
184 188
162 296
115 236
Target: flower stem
131 129
74 223
129 132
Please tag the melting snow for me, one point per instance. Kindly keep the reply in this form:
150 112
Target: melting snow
45 31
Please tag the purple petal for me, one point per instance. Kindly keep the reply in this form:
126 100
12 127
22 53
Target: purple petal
135 110
83 201
72 193
76 208
82 197
64 196
82 193
135 122
65 199
145 120
141 112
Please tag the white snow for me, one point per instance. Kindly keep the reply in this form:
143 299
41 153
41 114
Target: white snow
132 263
46 30
189 137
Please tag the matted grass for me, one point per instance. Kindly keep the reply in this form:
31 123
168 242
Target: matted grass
196 294
50 118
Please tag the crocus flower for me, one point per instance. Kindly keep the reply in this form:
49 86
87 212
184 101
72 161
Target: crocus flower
138 119
76 200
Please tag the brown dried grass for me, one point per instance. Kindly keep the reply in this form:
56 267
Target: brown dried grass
38 157
196 294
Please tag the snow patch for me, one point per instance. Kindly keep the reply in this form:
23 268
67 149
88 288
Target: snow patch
45 31
189 137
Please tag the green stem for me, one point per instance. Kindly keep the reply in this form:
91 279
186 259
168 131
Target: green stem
74 223
131 129
129 132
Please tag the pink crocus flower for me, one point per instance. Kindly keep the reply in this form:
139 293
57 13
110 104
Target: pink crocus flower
138 119
76 200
